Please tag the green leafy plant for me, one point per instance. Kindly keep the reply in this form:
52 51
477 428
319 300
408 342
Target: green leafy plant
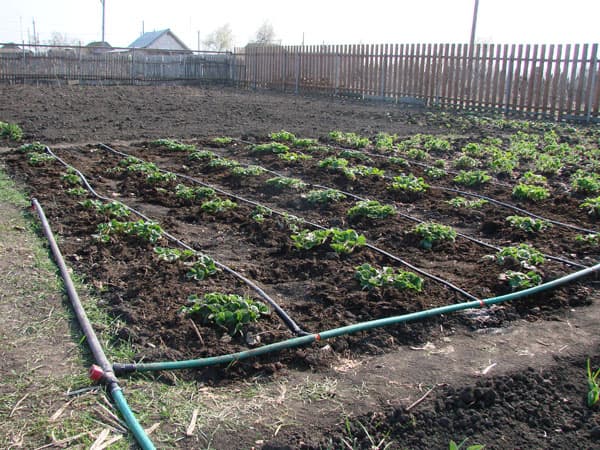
248 171
593 396
592 205
160 177
399 161
356 155
590 239
525 254
324 196
35 147
349 139
385 141
409 183
432 143
202 154
433 233
435 173
77 191
363 171
308 144
286 183
519 280
217 205
371 209
170 254
223 163
462 202
341 241
503 162
70 177
260 213
528 224
111 209
230 311
465 162
222 140
282 136
39 159
454 446
370 277
585 183
144 230
193 193
294 156
173 145
472 177
11 131
547 164
532 178
202 268
473 149
418 154
271 147
333 163
530 192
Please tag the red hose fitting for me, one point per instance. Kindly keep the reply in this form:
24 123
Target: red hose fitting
96 373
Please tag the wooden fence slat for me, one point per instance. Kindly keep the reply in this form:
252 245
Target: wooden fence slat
581 77
570 109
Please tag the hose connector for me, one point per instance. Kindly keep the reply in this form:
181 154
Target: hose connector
96 373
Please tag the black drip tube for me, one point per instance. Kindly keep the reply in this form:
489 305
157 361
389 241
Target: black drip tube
289 322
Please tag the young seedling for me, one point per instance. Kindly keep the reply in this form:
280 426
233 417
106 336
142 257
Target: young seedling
229 311
202 268
472 177
409 183
590 239
34 147
202 155
77 191
324 197
39 159
71 178
352 140
249 171
370 277
170 144
524 254
371 209
454 446
585 183
282 136
530 192
271 147
169 254
143 230
519 280
341 241
462 202
11 131
223 140
223 163
286 183
465 162
110 209
433 233
363 171
356 155
193 193
260 213
593 396
435 173
217 206
294 156
592 205
528 224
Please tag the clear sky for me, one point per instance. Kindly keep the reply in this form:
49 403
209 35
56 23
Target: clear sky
322 21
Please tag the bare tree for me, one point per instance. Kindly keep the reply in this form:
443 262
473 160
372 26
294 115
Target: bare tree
57 38
220 40
265 34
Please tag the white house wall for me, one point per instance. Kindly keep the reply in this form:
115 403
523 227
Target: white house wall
166 42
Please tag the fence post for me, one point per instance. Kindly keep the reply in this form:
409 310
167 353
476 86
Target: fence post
132 64
232 70
508 83
592 81
337 73
297 86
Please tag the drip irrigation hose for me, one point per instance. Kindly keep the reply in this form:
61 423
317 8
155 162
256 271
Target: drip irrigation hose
315 225
107 375
289 322
349 329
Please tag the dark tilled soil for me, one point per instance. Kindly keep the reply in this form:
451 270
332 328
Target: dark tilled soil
317 288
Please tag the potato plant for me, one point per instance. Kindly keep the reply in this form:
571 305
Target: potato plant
472 177
173 145
286 183
271 147
191 194
217 205
340 241
113 208
530 192
324 196
39 159
409 183
592 206
371 209
462 202
528 224
352 140
141 229
11 131
249 171
432 233
370 277
524 254
229 311
517 281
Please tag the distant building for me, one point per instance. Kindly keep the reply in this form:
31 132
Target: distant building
13 49
98 48
163 41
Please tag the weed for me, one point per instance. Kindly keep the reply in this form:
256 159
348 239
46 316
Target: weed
409 183
472 177
371 209
217 205
433 233
370 277
519 280
230 311
528 224
530 192
286 183
324 196
593 387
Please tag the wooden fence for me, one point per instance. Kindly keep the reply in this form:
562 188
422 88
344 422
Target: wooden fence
551 81
21 64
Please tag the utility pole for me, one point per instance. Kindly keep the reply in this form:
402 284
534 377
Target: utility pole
198 40
103 15
34 35
474 26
